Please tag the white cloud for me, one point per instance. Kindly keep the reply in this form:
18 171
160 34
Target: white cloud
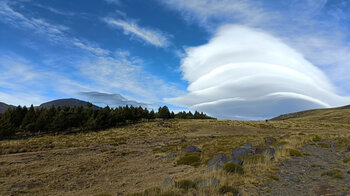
151 36
247 73
94 50
56 34
116 2
125 74
210 13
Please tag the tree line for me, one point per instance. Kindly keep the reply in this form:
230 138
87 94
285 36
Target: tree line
41 120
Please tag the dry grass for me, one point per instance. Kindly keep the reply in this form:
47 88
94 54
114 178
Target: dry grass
130 159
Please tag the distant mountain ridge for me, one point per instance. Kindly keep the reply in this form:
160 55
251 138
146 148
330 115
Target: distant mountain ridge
4 107
333 115
66 102
71 102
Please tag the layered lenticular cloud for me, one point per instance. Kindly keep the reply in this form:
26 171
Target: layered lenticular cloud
245 73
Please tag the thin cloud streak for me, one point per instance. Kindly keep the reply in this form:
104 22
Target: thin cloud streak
151 36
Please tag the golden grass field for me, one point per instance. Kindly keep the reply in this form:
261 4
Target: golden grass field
129 159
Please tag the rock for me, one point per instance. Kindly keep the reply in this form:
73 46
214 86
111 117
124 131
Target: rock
167 183
247 145
279 147
242 152
236 161
269 140
210 182
192 149
265 151
211 136
218 162
172 155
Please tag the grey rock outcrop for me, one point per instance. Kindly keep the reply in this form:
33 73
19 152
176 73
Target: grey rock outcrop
192 149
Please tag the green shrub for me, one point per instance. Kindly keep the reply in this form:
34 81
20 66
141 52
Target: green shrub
324 145
346 159
228 189
273 177
343 142
333 174
316 138
185 184
233 168
293 152
190 159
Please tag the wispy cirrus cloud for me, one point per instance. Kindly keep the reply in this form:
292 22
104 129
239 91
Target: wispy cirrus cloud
53 33
148 35
102 69
116 2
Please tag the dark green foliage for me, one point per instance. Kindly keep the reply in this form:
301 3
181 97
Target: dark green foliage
189 115
228 189
163 112
233 168
190 159
185 184
35 120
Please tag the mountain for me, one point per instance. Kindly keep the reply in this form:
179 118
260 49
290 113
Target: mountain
66 102
4 107
333 115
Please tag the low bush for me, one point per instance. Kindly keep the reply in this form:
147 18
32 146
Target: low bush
293 152
233 168
346 160
185 184
333 174
228 189
192 159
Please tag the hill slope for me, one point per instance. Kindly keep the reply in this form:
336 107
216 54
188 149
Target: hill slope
333 115
4 107
66 102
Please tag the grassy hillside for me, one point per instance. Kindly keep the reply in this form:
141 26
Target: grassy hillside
331 115
131 159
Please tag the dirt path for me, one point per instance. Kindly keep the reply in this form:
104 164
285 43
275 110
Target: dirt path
321 171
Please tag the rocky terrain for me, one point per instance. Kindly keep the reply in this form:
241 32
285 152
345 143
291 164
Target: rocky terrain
182 157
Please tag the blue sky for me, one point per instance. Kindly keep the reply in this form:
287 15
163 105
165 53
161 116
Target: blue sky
233 59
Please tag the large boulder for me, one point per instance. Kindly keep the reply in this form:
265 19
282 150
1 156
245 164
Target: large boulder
218 162
265 151
269 140
242 152
192 149
236 161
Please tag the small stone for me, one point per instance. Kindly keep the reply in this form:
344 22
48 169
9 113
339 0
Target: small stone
279 147
236 161
269 140
167 183
247 145
192 149
242 152
172 155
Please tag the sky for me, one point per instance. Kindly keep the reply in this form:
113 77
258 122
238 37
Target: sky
232 59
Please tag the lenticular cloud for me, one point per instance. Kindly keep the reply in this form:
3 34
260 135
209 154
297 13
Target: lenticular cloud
244 73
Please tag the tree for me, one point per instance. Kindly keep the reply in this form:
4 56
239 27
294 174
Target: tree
7 128
163 112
